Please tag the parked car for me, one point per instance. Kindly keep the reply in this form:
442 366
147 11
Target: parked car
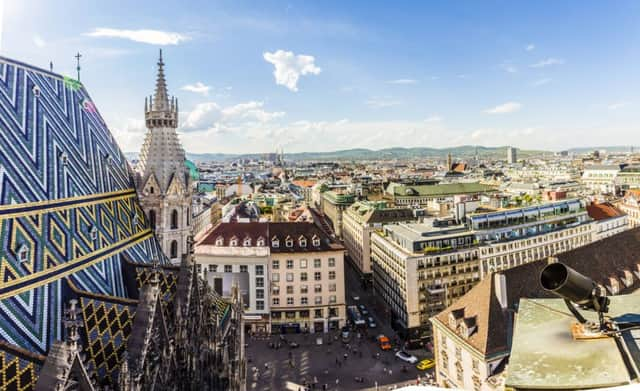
361 307
406 357
425 364
371 323
344 333
384 342
294 344
355 298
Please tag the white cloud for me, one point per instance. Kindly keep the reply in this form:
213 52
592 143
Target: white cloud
509 107
433 118
618 105
289 67
530 47
509 68
402 81
547 62
379 103
197 87
210 116
541 82
38 41
153 37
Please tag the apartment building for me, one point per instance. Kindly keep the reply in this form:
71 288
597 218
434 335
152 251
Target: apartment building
601 178
515 236
419 269
333 205
238 253
630 205
608 220
306 279
428 196
358 221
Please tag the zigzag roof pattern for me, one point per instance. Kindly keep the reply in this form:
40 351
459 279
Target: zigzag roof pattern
68 205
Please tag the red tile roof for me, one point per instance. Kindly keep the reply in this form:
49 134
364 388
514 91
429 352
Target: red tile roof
603 211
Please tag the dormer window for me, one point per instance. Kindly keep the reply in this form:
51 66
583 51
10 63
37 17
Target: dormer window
260 242
36 91
23 253
302 241
316 241
64 158
233 242
93 233
289 242
219 241
275 243
247 242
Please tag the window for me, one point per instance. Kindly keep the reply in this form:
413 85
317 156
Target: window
213 268
275 243
260 242
275 264
318 300
228 268
332 275
289 289
259 305
260 282
260 270
289 242
332 299
275 290
290 300
233 242
276 301
23 254
290 314
303 276
174 249
275 277
332 262
304 301
152 218
302 242
289 263
316 241
333 312
303 264
259 294
332 287
304 289
247 242
317 263
317 288
219 241
276 315
174 219
318 313
289 277
244 268
317 276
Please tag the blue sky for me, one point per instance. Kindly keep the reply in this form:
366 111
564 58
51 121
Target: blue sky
329 75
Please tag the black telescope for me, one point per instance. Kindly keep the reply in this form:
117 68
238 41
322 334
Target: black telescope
574 287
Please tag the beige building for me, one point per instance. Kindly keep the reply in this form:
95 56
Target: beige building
334 204
358 221
291 274
631 206
418 270
306 278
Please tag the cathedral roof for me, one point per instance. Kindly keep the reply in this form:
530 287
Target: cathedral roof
68 213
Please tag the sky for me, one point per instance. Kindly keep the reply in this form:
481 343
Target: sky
331 75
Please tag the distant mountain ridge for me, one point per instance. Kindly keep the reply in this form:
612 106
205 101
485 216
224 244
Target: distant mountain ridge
367 154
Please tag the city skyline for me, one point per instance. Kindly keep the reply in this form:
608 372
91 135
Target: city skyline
328 77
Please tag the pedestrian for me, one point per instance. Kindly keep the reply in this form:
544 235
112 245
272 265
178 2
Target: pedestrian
390 372
266 366
345 356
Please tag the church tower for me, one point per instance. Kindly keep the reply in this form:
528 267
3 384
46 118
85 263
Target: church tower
163 180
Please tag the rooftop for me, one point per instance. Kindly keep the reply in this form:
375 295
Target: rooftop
398 189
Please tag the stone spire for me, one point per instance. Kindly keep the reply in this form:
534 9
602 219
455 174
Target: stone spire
161 97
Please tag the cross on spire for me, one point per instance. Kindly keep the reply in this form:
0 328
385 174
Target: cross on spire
78 64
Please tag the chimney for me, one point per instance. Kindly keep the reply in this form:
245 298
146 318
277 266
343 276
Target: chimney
500 289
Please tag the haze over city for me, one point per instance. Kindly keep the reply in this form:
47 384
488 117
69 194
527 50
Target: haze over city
326 76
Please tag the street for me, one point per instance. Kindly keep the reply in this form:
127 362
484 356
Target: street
356 364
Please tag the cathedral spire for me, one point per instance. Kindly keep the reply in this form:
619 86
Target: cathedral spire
161 97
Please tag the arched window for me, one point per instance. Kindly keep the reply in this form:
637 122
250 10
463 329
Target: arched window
174 249
174 219
152 219
188 217
151 190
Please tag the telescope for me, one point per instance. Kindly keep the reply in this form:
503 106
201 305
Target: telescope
576 288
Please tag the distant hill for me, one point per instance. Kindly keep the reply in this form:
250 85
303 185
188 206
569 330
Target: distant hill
614 149
368 154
